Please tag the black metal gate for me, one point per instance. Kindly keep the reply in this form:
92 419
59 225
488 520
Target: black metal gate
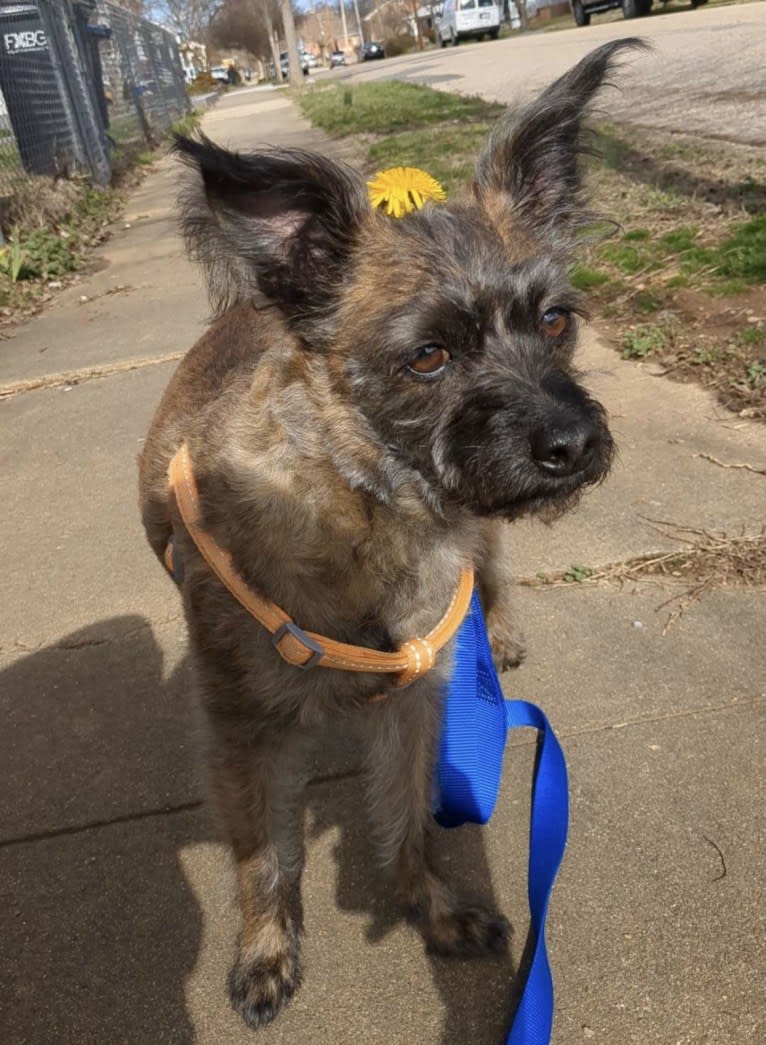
78 80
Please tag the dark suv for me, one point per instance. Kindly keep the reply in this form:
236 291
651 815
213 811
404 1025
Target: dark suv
583 9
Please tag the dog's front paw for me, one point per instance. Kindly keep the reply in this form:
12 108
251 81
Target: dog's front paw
508 646
468 932
260 987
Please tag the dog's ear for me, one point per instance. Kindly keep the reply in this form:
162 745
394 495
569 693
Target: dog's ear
529 173
278 224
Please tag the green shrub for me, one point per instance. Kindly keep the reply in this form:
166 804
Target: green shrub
641 342
400 44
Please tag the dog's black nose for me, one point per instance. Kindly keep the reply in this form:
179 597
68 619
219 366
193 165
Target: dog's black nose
564 449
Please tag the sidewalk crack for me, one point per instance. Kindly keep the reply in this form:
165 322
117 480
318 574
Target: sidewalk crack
93 825
70 378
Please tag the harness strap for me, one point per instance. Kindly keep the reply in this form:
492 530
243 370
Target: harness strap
306 649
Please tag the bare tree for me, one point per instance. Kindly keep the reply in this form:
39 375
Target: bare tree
188 19
248 24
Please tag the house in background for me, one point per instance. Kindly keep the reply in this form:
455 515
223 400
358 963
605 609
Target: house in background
193 59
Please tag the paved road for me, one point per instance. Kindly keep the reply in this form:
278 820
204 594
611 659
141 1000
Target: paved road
707 74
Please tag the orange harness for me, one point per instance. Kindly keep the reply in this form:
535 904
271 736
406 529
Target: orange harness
306 649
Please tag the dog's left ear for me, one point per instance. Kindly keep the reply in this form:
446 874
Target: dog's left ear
529 174
278 224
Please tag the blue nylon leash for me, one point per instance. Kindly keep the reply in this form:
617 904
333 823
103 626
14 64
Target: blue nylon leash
466 783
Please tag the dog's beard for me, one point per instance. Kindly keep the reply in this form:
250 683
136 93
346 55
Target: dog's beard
546 504
503 480
546 507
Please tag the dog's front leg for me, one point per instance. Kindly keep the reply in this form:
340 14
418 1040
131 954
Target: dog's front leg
403 738
495 584
250 787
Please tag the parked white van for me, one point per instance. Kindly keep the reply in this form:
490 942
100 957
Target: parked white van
462 19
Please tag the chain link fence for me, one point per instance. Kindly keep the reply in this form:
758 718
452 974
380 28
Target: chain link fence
80 82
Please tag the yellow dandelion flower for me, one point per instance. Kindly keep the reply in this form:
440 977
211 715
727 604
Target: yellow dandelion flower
403 189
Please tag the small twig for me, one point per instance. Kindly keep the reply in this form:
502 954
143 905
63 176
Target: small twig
661 373
722 464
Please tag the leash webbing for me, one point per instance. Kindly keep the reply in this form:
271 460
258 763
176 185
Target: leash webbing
474 732
549 818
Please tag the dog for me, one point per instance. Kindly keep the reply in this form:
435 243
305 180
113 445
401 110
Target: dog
376 398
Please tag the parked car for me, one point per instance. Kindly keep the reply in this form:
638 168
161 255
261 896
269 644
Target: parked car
583 9
337 58
372 50
220 73
465 19
285 65
310 59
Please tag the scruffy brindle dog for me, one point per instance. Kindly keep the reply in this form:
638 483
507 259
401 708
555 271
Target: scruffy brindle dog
375 397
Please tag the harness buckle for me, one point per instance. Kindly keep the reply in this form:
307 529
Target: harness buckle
291 628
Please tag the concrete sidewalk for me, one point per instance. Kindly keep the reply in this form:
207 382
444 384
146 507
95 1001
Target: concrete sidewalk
117 916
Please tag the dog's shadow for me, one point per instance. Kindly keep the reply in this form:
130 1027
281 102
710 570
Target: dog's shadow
99 792
478 996
102 789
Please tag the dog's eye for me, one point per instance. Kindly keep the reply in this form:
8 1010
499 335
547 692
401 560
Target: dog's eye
429 360
554 322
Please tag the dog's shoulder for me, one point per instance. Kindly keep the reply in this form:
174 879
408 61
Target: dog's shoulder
232 347
230 351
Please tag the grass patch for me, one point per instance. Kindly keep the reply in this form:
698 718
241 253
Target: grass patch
48 243
727 288
626 258
753 336
447 153
385 108
743 254
10 160
406 125
680 239
48 251
51 225
585 278
692 253
612 149
187 123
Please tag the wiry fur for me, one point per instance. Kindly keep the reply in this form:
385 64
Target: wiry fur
533 157
351 490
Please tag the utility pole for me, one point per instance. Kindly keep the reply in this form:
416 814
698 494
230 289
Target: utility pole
418 34
273 38
318 16
343 21
294 69
359 24
274 41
